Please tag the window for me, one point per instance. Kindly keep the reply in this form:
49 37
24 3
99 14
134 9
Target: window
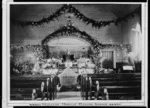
136 42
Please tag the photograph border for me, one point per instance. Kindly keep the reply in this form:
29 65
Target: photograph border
6 67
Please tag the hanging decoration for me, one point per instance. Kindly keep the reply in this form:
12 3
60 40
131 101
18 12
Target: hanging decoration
40 47
42 21
70 30
40 51
69 8
25 47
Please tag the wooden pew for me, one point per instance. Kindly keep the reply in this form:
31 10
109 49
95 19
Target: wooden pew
119 86
24 85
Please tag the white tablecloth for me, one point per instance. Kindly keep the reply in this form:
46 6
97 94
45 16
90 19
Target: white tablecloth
50 71
68 64
86 71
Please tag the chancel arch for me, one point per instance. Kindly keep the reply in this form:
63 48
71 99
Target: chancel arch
71 31
59 46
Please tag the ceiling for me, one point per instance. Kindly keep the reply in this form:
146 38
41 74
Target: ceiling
118 10
98 12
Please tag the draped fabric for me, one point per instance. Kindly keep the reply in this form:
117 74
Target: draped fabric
50 71
68 77
86 71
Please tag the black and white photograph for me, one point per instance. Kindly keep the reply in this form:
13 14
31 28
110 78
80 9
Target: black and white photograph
75 52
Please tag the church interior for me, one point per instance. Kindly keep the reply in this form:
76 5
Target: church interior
75 52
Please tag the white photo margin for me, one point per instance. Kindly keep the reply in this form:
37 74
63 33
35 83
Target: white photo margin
6 67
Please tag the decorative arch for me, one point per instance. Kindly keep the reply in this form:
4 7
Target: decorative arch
68 31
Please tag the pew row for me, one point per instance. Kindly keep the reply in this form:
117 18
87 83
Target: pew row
111 86
30 87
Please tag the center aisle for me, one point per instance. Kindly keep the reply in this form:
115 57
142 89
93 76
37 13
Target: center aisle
70 95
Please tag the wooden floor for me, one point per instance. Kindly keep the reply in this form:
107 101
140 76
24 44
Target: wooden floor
69 95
